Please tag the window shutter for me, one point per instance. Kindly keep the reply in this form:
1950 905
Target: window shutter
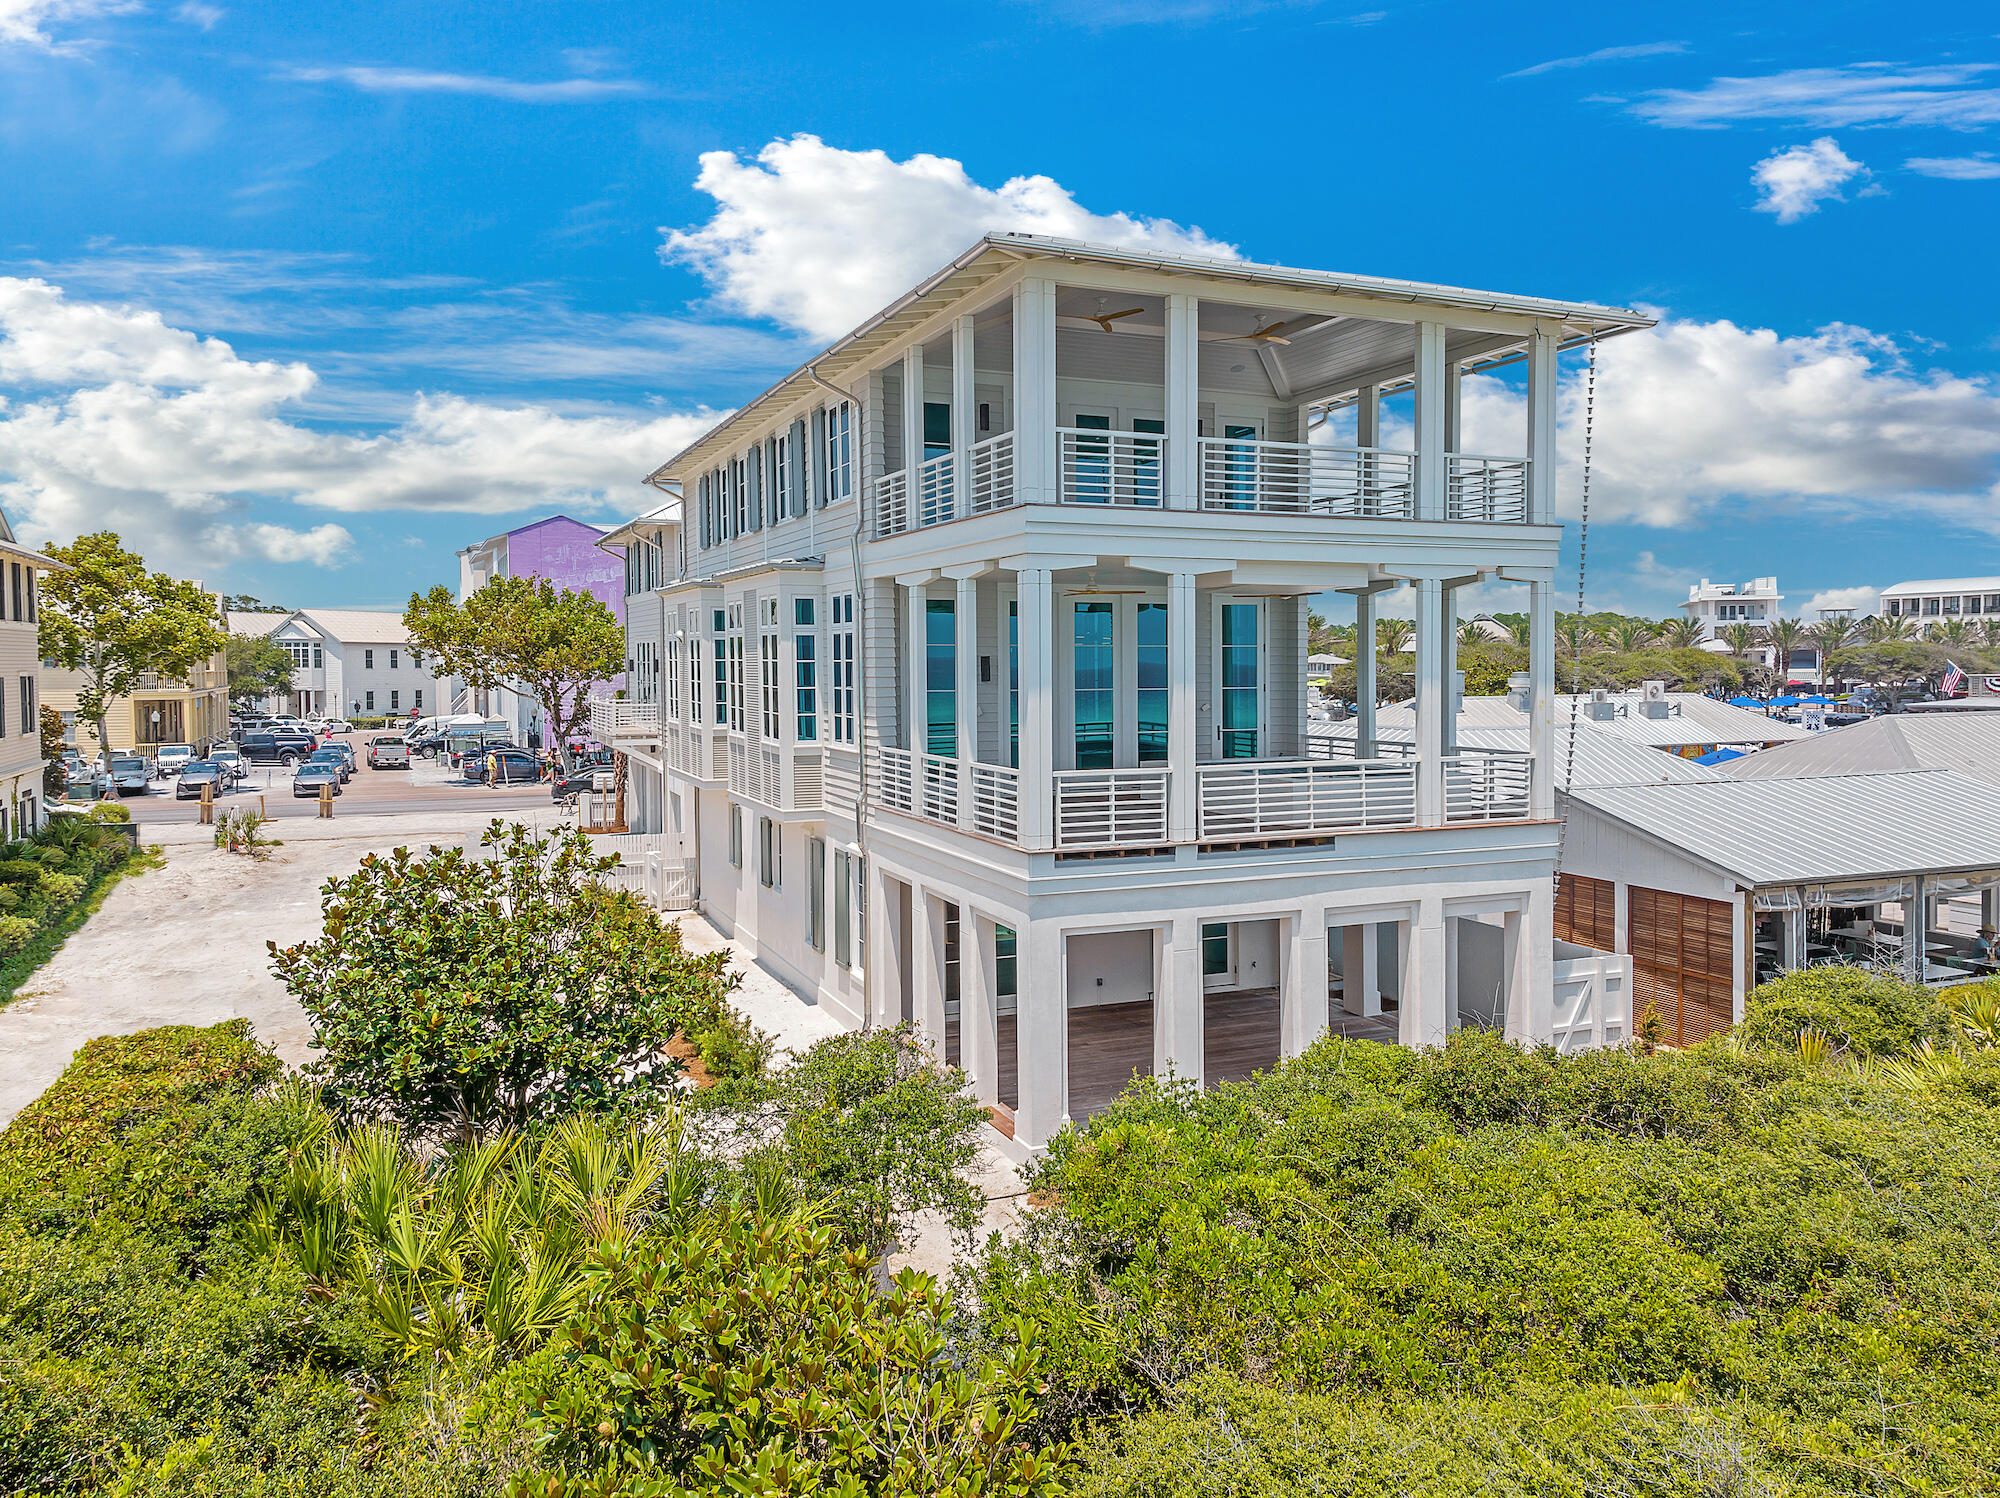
798 468
819 459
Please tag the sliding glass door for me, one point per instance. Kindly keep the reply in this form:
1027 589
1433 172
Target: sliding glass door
1241 721
1094 639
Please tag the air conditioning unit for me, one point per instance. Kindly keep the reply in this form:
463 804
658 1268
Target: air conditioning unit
1519 690
1601 709
1653 699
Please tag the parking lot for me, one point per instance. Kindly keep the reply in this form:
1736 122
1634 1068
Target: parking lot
427 786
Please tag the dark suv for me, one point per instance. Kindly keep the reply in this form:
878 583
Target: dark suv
285 748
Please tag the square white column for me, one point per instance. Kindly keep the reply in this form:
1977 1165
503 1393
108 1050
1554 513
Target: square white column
1360 970
978 1012
1182 751
884 977
1430 421
1183 418
1542 700
1034 630
1420 997
965 657
1042 1030
1180 1007
1365 689
1303 991
1431 703
927 957
1528 941
1035 391
1542 362
964 416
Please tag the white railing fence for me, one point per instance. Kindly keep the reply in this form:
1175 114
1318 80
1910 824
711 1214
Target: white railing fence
939 786
1486 785
996 794
892 504
1305 478
934 491
1275 798
893 779
611 717
1593 998
1110 468
1479 488
1103 808
989 467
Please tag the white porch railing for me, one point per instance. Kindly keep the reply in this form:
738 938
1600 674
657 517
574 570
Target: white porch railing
934 491
1593 998
892 504
1105 808
1486 785
1305 478
1477 488
1283 797
996 792
938 787
893 779
619 717
990 469
1111 468
647 869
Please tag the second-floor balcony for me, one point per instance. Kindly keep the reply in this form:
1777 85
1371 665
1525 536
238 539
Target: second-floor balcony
614 718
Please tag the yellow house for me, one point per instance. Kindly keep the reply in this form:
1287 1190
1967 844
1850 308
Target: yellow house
21 761
161 711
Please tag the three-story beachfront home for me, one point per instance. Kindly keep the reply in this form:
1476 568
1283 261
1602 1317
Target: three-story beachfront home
967 670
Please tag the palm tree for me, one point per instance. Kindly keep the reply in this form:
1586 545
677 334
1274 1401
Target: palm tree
1576 635
1829 637
1992 631
1469 632
1631 634
1681 634
1393 636
1784 636
1521 630
1883 628
1951 632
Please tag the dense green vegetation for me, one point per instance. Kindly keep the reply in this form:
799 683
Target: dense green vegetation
54 881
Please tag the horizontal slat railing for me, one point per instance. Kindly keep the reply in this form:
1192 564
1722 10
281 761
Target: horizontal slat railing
1111 468
1283 797
892 504
1486 785
893 780
613 717
934 491
938 783
990 469
996 791
1306 478
1106 808
1479 488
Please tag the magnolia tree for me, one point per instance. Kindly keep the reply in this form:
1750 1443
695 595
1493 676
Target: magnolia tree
107 618
525 633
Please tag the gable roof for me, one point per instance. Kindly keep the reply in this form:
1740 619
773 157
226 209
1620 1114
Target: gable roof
249 623
364 626
1968 743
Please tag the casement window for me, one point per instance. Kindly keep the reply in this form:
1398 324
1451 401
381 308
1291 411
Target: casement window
839 453
805 671
770 693
770 852
816 893
735 836
721 674
735 642
368 701
843 906
840 667
368 660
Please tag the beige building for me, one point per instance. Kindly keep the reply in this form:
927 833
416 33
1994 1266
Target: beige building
162 711
21 763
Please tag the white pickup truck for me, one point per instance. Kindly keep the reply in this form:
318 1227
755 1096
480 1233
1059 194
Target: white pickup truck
387 751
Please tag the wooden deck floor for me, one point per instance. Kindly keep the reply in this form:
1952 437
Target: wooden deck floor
1109 1044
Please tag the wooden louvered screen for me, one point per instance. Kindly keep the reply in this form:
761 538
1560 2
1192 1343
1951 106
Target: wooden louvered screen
1587 911
1683 954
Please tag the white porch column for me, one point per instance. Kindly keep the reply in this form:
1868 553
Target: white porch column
1035 391
1182 752
927 957
1360 970
913 425
1452 406
978 1012
1542 362
1542 700
1303 993
1431 704
964 416
1420 980
883 949
1792 956
1528 941
1430 423
1183 402
915 597
965 696
1365 690
1034 630
1989 907
1179 1005
1448 638
1914 911
1042 1031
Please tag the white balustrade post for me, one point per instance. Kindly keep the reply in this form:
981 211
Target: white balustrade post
1430 422
978 1011
1543 347
1034 630
1041 1019
1179 1002
1035 391
964 417
1542 700
965 618
913 431
1431 703
1364 674
1183 402
1182 752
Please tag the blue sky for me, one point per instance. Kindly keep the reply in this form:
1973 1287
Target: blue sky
302 298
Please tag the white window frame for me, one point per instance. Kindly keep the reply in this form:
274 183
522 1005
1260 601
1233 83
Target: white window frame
840 668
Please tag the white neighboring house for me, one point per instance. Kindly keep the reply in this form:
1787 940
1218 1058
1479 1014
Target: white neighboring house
348 663
968 676
21 762
1935 600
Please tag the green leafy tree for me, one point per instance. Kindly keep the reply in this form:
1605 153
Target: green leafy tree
1883 628
1629 635
55 779
551 643
1681 634
457 995
258 667
244 603
107 618
1784 636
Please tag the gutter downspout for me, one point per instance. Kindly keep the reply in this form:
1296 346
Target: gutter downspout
860 686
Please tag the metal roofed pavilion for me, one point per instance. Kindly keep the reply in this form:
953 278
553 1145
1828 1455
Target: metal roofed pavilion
1814 829
1968 743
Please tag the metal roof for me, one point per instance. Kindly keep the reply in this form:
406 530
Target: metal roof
993 255
1968 743
1692 719
368 626
1817 828
1946 585
1601 758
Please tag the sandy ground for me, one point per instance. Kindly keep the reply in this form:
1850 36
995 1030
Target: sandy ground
185 945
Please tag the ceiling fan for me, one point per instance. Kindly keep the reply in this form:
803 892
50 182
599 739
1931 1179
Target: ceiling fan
1105 319
1262 334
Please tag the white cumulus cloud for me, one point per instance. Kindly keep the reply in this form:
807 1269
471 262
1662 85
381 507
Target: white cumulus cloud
819 238
112 417
1793 182
26 21
1863 600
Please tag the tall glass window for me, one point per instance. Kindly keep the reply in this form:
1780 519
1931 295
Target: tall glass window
721 671
1239 468
1239 681
1096 697
771 689
842 665
1006 984
1014 684
940 677
937 429
1146 460
805 666
1153 690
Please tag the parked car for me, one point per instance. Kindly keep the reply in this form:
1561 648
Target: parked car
335 755
131 775
579 782
197 773
169 759
509 766
337 725
279 747
464 753
387 751
308 778
230 763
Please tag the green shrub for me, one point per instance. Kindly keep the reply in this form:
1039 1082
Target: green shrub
50 855
1864 1012
19 871
59 891
110 811
16 931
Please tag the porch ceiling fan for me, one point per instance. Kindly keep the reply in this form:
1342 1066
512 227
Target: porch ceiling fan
1262 334
1105 319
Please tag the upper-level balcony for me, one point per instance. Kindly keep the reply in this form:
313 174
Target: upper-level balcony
615 718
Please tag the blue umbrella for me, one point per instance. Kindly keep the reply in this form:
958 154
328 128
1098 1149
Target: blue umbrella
1717 756
1822 701
1744 702
1784 702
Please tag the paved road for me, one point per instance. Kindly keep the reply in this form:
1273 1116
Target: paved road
428 786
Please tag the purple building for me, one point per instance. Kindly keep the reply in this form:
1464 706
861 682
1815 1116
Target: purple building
566 553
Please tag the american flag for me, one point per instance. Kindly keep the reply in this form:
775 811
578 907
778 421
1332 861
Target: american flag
1953 679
